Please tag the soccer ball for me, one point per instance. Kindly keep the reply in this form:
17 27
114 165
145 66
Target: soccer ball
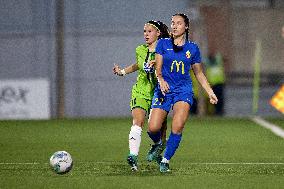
61 162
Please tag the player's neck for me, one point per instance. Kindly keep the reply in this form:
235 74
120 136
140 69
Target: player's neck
179 40
152 46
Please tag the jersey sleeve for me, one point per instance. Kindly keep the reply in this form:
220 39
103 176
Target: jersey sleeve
160 47
197 57
140 52
137 55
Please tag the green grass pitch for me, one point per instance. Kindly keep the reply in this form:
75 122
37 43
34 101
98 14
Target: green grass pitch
214 153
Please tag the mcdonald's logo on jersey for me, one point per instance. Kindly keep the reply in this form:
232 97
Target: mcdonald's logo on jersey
178 66
188 54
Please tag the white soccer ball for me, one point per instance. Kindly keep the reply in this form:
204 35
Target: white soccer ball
61 162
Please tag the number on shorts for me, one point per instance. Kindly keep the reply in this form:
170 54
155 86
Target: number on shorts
160 100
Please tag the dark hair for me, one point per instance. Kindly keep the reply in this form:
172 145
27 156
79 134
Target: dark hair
186 21
163 28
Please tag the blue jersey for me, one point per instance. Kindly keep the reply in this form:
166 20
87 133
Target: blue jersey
176 65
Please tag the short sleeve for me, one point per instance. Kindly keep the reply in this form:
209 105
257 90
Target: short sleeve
159 48
137 54
141 51
197 57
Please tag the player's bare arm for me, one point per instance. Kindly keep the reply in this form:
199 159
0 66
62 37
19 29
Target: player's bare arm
129 69
197 69
163 84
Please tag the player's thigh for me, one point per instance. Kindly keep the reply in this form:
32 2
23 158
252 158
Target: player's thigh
138 115
180 115
140 108
156 118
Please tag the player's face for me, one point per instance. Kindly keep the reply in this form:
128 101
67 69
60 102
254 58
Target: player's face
178 26
151 34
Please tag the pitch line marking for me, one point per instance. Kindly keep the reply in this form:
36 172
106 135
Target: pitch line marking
19 163
204 163
274 128
235 163
196 163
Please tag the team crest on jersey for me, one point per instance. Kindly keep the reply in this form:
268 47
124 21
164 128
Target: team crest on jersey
187 54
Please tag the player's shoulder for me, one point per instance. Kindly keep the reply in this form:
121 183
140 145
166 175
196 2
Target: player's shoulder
164 40
192 44
142 48
164 43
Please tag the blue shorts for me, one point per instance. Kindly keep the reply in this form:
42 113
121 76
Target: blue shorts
166 102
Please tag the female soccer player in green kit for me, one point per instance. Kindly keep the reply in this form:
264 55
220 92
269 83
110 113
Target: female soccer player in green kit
143 89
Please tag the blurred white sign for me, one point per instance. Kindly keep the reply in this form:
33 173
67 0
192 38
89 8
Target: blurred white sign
24 99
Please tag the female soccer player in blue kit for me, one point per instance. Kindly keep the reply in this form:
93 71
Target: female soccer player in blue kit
175 57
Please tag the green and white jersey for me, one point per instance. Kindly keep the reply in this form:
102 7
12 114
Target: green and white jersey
144 87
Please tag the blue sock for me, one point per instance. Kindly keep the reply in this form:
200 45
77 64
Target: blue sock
156 137
172 145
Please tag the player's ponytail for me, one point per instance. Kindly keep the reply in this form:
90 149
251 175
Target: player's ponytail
165 33
186 34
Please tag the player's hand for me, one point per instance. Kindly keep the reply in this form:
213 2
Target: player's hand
151 63
164 86
213 98
116 70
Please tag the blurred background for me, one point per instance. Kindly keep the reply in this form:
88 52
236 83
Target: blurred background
56 56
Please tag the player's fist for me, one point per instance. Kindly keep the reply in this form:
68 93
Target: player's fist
116 70
164 86
213 98
151 63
